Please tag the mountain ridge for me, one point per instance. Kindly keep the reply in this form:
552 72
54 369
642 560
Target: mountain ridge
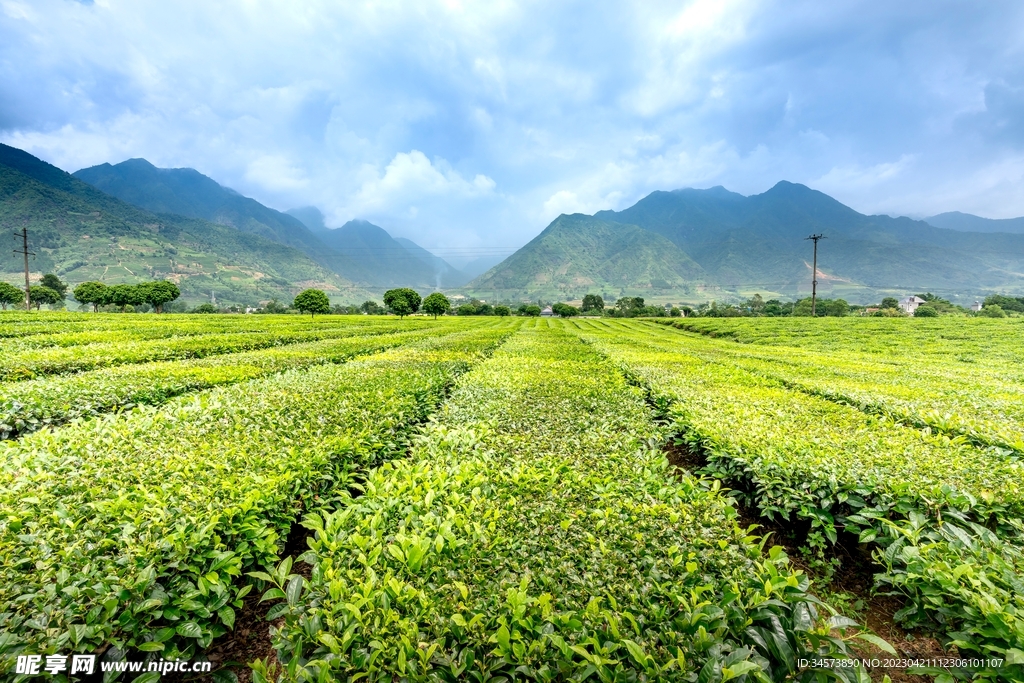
81 233
757 243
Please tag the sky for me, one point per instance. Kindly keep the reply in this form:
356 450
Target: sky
468 126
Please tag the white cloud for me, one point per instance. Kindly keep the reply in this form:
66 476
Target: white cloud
411 176
275 173
458 123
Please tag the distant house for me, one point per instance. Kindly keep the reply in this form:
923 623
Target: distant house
976 306
910 304
871 309
547 312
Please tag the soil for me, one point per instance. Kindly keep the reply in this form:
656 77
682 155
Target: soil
250 639
854 576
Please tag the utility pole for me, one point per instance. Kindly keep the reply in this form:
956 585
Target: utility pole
814 273
24 250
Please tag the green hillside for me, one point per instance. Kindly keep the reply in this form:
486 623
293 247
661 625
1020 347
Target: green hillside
83 234
757 243
955 220
695 245
578 254
187 192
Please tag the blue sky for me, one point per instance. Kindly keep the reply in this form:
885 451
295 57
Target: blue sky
470 126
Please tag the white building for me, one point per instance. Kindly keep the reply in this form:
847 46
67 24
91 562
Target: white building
976 306
910 304
547 312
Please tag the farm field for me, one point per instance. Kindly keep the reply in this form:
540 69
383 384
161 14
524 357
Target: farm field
490 498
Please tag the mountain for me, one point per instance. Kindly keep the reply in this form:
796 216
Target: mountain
444 273
480 265
187 192
389 262
742 245
965 222
82 233
311 217
578 254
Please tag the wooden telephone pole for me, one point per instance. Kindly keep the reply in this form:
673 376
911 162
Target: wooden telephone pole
24 250
814 273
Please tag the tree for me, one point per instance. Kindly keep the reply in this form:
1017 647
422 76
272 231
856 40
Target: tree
837 308
1005 303
38 295
565 310
372 308
593 303
9 294
125 295
402 301
312 301
94 293
205 308
990 311
756 304
890 302
532 311
53 282
437 304
924 311
629 306
466 309
158 293
502 311
273 306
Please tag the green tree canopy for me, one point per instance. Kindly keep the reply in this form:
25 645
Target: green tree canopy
835 307
94 293
992 311
125 295
565 310
372 308
55 283
1005 303
312 301
532 310
402 301
890 302
593 303
436 304
10 295
925 311
205 308
158 293
502 311
39 295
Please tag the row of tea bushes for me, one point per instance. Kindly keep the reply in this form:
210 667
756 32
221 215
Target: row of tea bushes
536 532
51 401
798 456
137 530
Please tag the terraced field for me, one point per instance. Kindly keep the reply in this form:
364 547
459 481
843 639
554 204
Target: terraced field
490 499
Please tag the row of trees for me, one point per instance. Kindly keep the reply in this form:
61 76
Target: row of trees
50 291
155 293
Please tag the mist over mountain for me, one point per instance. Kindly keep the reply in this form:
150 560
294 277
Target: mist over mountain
82 234
739 245
965 222
310 216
